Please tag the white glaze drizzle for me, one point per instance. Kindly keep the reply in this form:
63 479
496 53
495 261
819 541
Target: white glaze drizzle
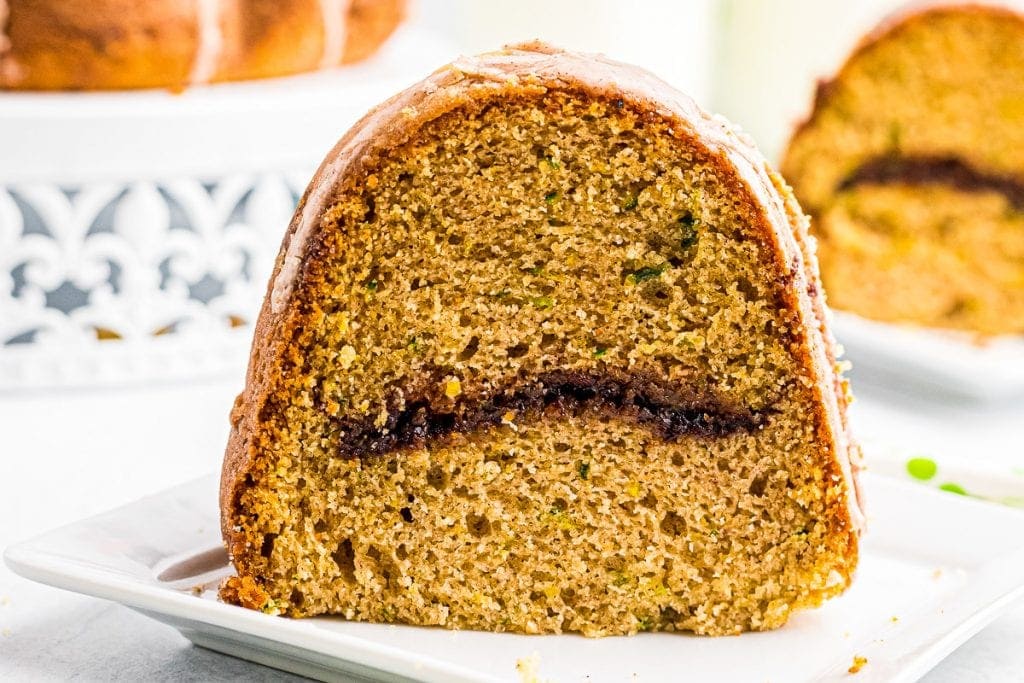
10 72
334 17
5 41
210 44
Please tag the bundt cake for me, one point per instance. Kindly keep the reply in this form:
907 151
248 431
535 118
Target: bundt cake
544 351
912 167
115 44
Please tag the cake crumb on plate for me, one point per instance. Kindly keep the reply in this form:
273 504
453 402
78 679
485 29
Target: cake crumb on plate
527 669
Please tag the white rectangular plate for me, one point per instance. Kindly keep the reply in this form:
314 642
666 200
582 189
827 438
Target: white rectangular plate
935 569
935 359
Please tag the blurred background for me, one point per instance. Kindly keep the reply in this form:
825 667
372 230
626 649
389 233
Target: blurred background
138 229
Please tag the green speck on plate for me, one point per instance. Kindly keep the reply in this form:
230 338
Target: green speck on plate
953 488
922 468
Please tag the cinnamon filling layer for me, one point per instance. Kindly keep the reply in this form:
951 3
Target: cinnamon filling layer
668 411
950 171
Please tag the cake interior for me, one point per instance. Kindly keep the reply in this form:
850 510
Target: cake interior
548 380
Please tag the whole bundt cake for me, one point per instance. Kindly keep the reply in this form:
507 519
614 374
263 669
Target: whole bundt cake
544 351
912 166
114 44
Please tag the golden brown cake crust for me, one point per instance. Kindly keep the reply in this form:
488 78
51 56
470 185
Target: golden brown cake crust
521 72
123 44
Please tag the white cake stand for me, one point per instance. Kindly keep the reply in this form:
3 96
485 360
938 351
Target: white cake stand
138 229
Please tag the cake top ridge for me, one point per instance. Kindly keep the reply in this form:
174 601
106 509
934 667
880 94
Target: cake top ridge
888 27
923 8
524 68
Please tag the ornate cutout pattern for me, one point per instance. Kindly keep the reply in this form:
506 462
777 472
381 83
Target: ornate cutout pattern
94 267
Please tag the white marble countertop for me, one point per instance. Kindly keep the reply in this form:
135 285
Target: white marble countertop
68 455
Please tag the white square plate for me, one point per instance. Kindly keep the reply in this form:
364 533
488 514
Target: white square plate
953 362
935 569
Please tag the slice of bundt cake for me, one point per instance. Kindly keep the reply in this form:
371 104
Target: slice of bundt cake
544 351
912 165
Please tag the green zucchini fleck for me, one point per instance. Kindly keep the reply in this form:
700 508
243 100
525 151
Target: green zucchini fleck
688 226
584 470
542 302
647 273
895 136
